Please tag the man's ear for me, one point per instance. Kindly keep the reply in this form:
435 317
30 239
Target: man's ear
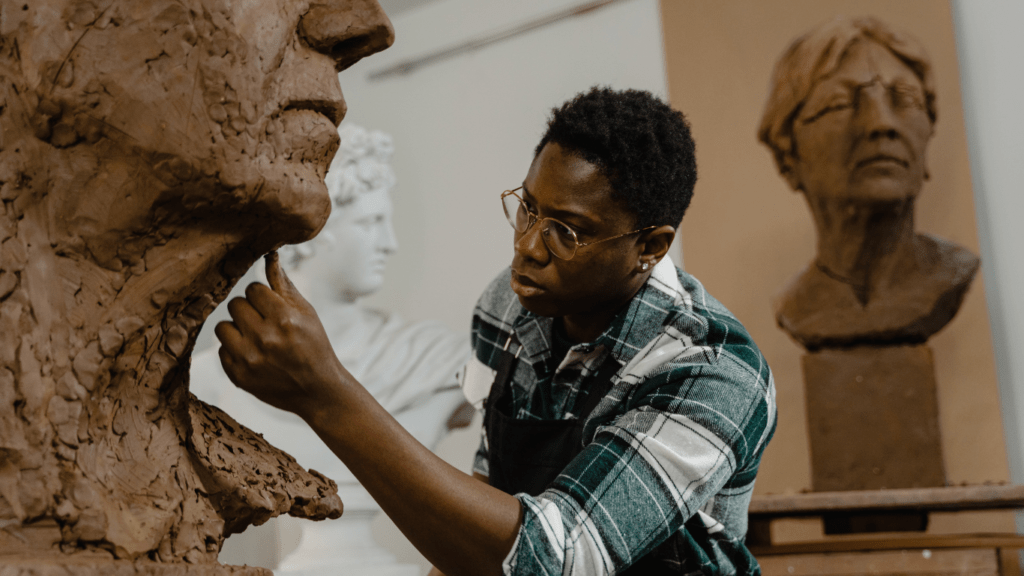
656 243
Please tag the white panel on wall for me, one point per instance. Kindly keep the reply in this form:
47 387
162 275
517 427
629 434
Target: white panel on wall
990 46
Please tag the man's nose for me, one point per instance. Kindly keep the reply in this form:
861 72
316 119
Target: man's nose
346 30
876 113
531 245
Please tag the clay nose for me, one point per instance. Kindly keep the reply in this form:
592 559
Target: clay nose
347 30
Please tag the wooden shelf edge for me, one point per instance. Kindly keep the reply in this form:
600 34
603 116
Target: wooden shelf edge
981 497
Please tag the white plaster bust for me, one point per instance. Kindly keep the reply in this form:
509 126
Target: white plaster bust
412 369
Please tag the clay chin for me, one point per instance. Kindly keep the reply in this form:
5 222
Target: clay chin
149 153
849 116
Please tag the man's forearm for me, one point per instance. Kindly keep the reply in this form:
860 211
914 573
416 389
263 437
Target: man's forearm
461 525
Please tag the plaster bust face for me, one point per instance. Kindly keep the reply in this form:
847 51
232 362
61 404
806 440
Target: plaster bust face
354 246
861 135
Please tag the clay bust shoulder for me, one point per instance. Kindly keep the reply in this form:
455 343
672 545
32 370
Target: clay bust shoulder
820 309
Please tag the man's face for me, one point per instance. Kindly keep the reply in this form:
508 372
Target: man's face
232 105
563 186
861 134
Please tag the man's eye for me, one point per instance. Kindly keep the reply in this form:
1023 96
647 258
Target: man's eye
561 229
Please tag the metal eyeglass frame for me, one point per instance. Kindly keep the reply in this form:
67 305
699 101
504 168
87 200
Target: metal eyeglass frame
536 219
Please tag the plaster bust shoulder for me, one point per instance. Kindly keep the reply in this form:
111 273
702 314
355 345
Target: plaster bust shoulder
819 310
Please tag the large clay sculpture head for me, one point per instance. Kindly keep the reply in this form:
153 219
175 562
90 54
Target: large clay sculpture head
848 77
149 153
850 111
346 260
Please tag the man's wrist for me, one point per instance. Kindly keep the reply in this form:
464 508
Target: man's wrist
321 410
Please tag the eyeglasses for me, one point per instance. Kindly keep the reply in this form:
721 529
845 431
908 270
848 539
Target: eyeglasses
560 239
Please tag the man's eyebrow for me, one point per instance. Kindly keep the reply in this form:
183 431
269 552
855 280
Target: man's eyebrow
576 219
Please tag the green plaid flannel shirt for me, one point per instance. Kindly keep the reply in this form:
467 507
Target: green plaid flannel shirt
673 447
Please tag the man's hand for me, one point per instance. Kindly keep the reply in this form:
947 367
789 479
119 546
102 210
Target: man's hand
275 347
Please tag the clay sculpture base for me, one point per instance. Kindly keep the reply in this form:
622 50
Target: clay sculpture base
50 566
873 418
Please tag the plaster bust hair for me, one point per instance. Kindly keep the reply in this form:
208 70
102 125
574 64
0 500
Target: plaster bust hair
362 165
817 54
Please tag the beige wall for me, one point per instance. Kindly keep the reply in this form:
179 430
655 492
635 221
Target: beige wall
747 233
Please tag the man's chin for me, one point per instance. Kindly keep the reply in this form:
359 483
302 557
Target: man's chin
540 306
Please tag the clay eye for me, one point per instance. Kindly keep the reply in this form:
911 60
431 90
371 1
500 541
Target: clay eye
904 96
836 103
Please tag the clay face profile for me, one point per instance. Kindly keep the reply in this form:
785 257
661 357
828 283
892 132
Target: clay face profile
851 110
150 152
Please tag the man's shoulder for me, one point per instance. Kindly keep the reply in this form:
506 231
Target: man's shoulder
723 328
702 337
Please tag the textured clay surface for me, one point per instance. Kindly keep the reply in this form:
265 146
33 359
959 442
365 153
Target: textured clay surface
86 567
150 152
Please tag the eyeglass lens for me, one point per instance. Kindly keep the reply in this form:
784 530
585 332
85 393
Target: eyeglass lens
557 237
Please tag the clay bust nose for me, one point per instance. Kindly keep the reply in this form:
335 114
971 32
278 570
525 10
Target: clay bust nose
347 30
876 111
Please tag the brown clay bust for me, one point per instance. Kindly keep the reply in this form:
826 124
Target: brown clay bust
851 111
149 153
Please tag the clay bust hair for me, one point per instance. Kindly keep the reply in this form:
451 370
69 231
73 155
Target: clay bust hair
361 166
816 55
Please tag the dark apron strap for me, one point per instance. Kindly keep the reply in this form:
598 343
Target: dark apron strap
504 432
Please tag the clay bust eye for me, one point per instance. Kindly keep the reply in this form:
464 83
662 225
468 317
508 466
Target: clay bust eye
905 96
836 103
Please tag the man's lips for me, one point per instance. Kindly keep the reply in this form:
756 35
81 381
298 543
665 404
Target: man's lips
524 285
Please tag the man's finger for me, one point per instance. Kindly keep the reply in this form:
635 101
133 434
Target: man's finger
228 334
276 277
227 361
247 319
263 299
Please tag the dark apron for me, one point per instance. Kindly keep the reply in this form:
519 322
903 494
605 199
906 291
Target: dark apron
527 455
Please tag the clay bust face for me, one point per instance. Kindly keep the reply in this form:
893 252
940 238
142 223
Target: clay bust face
861 134
353 247
207 109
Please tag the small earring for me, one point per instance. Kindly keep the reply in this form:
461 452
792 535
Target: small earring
644 266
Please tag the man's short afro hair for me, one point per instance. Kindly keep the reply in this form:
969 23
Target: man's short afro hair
640 144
